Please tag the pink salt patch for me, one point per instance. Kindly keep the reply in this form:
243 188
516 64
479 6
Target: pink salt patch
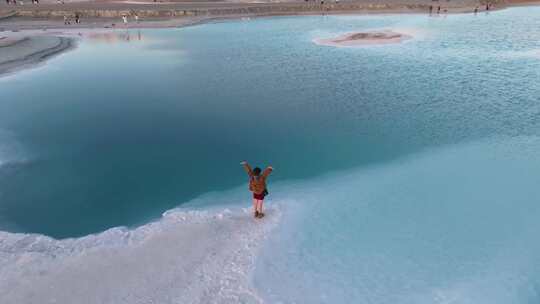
363 39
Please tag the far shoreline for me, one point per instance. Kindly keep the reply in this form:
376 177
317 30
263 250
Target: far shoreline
93 15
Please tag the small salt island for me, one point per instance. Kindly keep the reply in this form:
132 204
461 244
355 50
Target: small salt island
363 39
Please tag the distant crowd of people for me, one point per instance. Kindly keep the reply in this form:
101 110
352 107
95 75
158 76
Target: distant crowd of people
476 9
322 1
21 2
439 10
488 7
77 19
125 20
432 8
67 20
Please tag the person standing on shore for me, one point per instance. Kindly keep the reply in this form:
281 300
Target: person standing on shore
257 185
124 19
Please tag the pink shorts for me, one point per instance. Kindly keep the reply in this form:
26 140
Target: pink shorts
258 196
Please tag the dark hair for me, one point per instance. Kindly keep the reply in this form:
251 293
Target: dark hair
257 171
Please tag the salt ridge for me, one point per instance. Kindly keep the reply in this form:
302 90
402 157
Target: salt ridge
185 257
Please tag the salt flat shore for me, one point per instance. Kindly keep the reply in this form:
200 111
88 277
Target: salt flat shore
185 257
31 33
18 52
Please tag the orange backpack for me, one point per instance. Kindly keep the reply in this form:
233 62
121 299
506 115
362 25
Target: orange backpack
257 184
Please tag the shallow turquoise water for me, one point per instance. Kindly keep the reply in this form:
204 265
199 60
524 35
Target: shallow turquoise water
454 224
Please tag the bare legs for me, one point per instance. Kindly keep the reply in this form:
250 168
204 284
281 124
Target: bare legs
258 207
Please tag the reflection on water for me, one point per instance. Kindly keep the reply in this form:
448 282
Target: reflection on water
115 36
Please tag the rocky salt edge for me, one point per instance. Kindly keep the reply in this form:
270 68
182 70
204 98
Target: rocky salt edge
364 38
18 52
185 257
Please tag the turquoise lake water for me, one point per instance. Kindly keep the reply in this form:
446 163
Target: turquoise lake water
410 171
